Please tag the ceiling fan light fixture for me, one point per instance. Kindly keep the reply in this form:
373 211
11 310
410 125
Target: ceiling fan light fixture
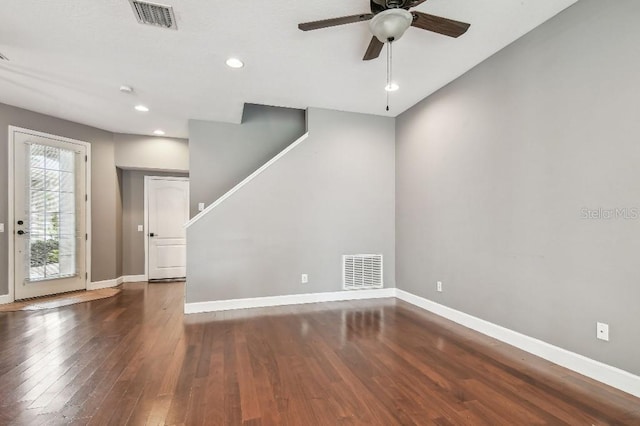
390 24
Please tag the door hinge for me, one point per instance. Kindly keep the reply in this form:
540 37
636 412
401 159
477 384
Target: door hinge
86 197
86 237
86 275
86 158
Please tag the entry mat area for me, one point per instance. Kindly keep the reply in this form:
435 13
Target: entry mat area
59 300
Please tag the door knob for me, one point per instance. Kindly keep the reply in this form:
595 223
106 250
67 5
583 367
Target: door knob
21 232
152 234
21 222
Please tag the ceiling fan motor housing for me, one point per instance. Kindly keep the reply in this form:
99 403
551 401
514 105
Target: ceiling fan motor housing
391 4
394 3
390 24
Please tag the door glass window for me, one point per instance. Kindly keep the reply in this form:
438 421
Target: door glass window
52 212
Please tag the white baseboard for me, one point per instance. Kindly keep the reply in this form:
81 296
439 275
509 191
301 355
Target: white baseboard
293 299
134 278
5 298
596 370
105 284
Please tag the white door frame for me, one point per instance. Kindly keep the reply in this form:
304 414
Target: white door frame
11 201
147 179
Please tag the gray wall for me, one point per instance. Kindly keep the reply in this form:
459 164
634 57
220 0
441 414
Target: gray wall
151 153
331 195
132 216
223 154
494 170
103 186
119 230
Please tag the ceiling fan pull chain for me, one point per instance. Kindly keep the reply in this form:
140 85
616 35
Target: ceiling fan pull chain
390 60
388 72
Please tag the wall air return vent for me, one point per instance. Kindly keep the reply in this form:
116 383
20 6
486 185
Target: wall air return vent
361 271
154 14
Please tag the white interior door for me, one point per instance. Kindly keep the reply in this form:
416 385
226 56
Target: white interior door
168 211
50 206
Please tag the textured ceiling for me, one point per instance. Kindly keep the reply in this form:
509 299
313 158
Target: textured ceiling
69 57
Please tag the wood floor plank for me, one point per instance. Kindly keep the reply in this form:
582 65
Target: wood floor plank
214 388
136 359
246 381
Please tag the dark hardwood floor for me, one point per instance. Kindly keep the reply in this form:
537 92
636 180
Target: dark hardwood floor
136 359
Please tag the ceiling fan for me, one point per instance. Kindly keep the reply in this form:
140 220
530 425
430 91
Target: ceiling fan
389 20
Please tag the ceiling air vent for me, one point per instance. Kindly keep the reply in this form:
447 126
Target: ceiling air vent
3 58
360 271
154 14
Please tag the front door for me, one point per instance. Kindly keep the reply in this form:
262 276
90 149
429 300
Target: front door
168 211
50 206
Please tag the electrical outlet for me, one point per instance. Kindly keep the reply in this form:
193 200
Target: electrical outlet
304 278
602 331
439 286
200 207
140 228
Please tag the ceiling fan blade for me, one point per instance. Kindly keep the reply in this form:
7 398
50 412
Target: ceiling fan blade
439 25
374 49
316 25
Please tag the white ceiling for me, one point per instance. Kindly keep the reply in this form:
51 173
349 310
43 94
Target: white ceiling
69 57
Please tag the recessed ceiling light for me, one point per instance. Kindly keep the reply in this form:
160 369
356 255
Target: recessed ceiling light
391 87
158 132
126 89
141 108
235 63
